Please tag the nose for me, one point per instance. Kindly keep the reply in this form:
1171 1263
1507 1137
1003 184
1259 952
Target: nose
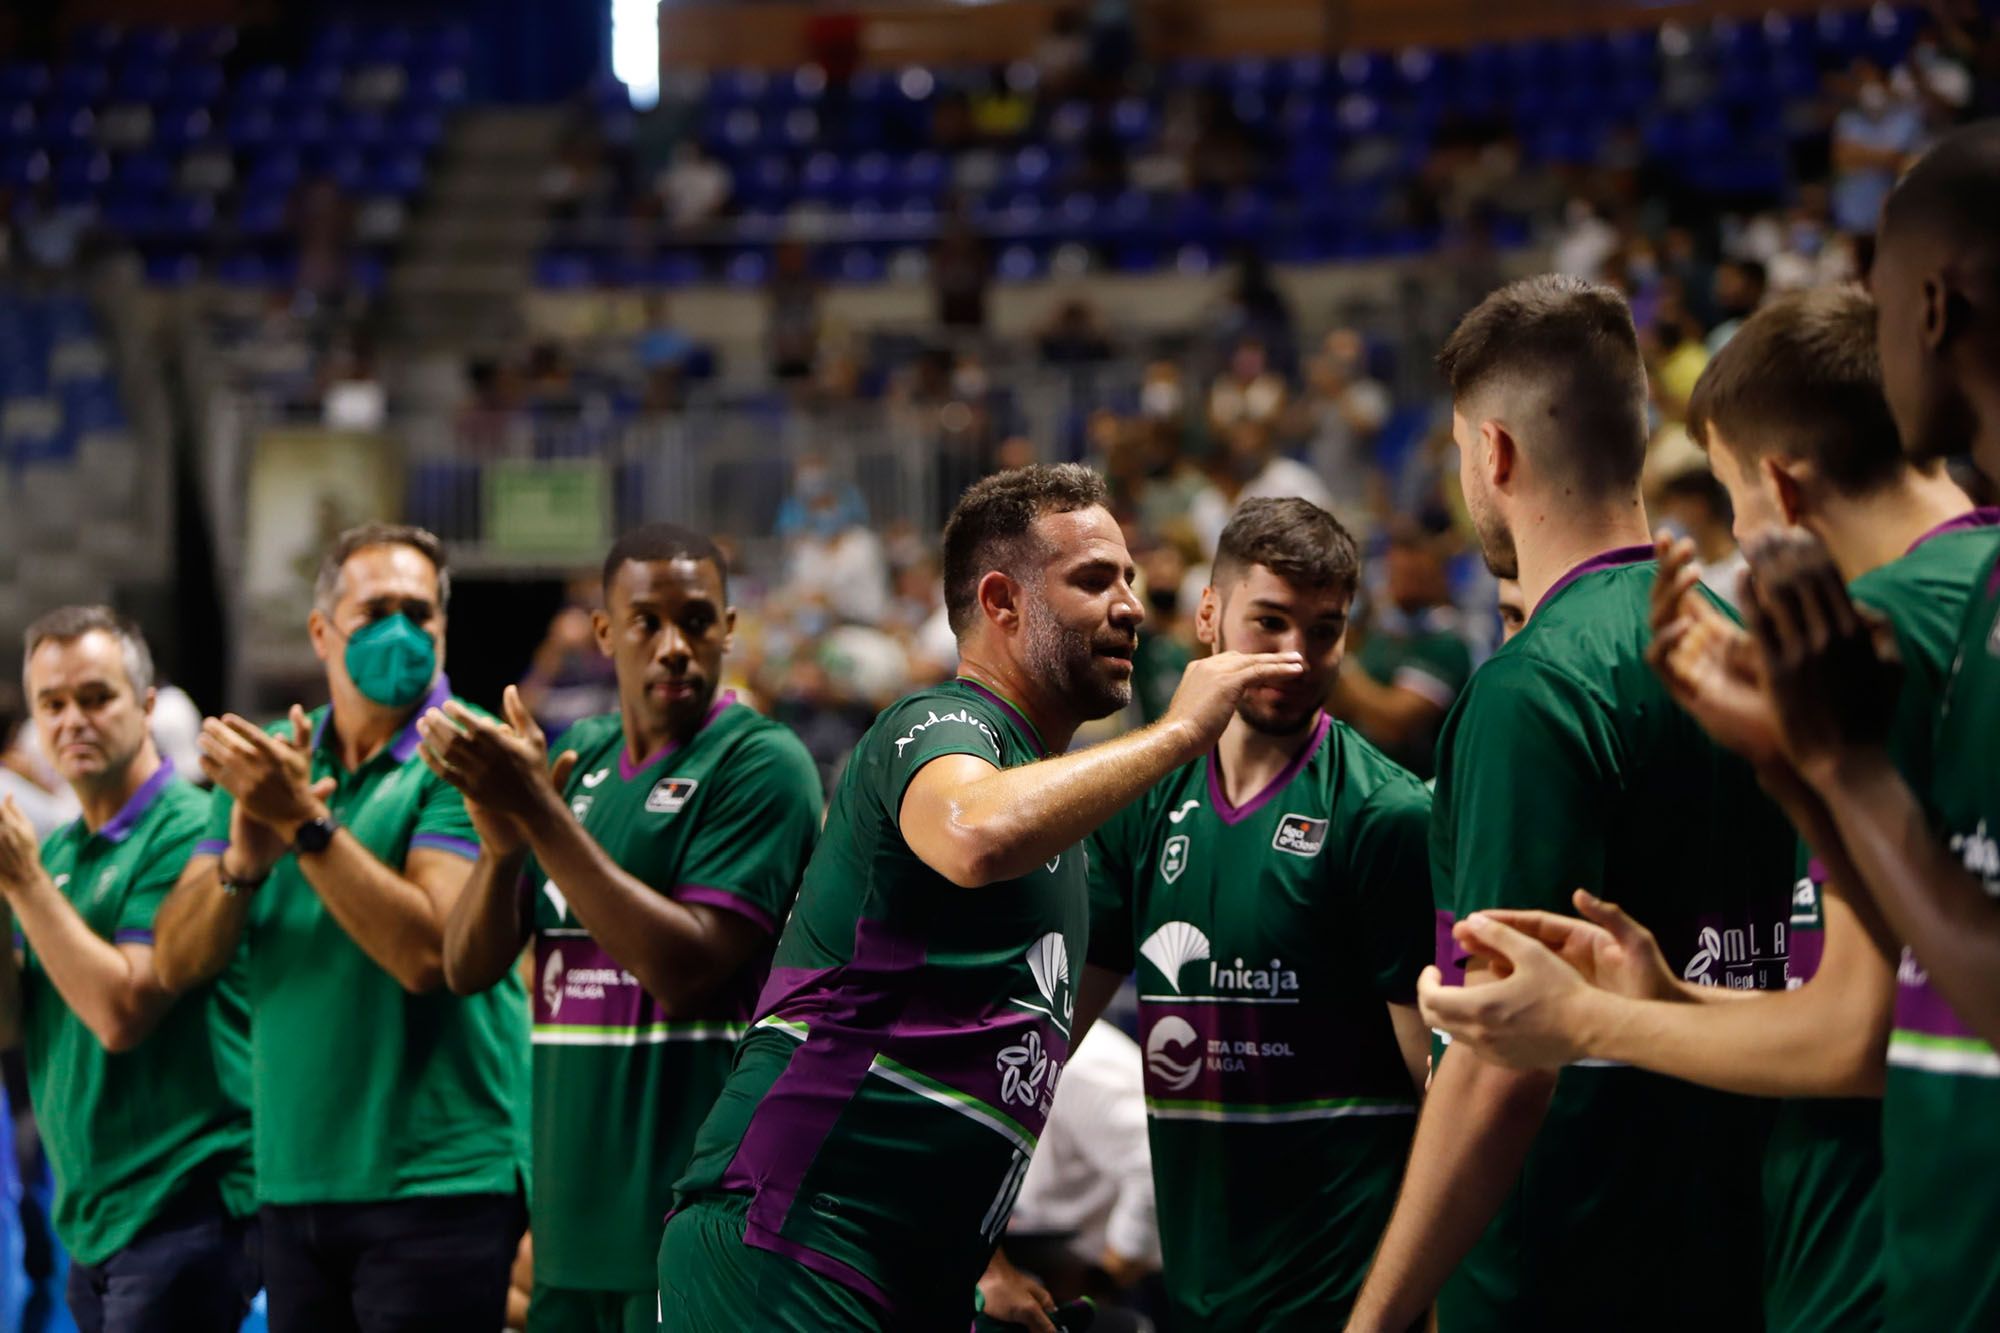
674 644
1127 611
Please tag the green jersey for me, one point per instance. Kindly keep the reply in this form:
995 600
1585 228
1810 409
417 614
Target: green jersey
362 1091
126 1133
884 1106
1426 654
727 821
1943 1092
1157 667
1566 764
1823 1170
1270 938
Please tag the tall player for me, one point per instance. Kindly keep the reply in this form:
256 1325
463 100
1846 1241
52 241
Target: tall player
1792 415
1937 284
865 1151
1275 897
1554 769
667 844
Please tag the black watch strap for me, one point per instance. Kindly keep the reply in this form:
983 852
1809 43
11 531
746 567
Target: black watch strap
313 836
236 885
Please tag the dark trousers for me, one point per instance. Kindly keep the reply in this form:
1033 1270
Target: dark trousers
193 1270
432 1265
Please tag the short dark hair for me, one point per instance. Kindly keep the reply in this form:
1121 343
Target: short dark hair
992 526
326 588
664 541
67 624
1293 538
1802 378
1951 195
1574 342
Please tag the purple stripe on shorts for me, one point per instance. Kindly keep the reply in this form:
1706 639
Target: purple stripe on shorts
710 896
444 842
211 847
823 1264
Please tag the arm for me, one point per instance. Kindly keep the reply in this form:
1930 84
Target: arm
1390 714
197 930
396 919
487 928
1093 994
977 824
1413 1039
1472 1137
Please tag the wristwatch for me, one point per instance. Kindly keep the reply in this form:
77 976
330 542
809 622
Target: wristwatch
313 836
234 885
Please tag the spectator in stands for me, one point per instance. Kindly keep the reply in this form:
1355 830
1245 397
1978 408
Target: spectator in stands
834 563
1585 242
323 219
1255 308
489 420
569 678
1873 140
1062 53
1248 467
1739 290
1693 504
1247 390
791 321
961 272
694 189
1414 661
1168 644
1001 111
52 232
1340 418
1162 396
1074 335
1676 351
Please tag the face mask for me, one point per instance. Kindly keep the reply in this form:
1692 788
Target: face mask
392 662
1161 398
1164 601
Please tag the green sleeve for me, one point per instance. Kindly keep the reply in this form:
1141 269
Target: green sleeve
1528 767
1109 858
166 856
442 823
215 835
929 727
1389 860
754 841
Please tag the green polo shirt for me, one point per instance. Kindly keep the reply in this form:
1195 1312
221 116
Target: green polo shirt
363 1091
127 1133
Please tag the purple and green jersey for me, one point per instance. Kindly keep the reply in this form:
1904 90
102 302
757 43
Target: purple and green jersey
1269 939
1563 765
1823 1220
883 1108
1942 1099
727 821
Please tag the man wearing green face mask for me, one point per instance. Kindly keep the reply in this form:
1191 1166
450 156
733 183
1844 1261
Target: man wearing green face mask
392 1115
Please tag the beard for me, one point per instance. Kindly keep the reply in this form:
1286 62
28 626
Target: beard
1496 539
1065 659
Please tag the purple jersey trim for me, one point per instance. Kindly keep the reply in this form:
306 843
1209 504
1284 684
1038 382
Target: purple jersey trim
1921 1009
404 746
1014 714
709 895
1969 521
823 1264
1805 949
1603 560
1450 959
1231 814
120 825
134 935
445 842
627 770
211 847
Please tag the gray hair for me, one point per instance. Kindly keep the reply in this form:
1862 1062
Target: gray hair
67 624
327 587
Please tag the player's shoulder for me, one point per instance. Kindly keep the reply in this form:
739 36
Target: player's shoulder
590 736
1373 784
951 705
760 743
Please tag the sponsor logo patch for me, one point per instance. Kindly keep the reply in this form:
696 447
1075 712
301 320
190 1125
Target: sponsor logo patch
670 794
1173 1053
1173 857
1299 835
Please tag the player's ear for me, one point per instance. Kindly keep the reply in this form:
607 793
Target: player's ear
1206 617
728 629
318 630
1500 450
1791 481
999 600
600 629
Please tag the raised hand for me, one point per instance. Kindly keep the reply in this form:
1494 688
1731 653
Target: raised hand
1608 949
20 850
501 768
1536 1016
270 777
1211 688
1710 666
1832 667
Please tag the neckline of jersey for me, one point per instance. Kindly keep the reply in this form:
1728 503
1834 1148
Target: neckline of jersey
1236 814
403 747
1015 713
1986 516
120 826
1597 564
627 770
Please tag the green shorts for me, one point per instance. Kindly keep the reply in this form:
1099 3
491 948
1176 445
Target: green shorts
570 1310
711 1282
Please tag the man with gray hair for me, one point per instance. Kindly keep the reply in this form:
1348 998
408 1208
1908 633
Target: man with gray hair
392 1136
143 1096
